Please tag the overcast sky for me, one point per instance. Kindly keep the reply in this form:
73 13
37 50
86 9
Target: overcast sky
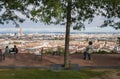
41 27
38 27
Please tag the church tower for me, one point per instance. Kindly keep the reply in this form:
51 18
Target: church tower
20 32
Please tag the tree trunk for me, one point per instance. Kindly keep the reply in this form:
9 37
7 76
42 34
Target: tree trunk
67 36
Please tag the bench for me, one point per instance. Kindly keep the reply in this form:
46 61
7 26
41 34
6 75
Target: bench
13 54
38 53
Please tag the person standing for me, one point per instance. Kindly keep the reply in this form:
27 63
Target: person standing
88 51
1 55
7 51
118 49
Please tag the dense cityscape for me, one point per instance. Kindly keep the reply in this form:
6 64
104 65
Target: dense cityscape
25 42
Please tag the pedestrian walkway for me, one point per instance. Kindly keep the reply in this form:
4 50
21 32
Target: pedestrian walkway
29 61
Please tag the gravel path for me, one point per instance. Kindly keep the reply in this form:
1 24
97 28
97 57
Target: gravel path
29 60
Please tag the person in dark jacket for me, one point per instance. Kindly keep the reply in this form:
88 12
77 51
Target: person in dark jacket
15 49
1 55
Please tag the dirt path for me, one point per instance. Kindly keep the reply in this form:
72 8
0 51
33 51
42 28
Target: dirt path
47 60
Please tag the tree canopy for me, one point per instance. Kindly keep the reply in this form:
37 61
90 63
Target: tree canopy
66 12
10 9
54 11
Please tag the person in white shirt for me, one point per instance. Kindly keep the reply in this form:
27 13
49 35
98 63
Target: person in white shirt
118 49
88 51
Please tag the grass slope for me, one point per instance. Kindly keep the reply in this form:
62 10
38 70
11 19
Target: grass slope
48 74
